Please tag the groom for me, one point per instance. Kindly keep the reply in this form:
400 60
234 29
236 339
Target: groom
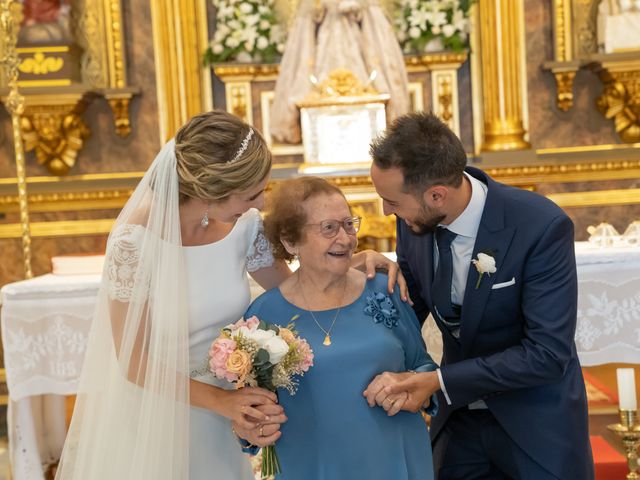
512 396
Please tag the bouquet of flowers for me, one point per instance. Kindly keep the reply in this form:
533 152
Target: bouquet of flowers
259 354
429 25
246 31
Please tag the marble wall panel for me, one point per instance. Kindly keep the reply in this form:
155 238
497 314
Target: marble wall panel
550 127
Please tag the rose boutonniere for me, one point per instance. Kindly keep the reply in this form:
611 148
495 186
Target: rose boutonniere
484 264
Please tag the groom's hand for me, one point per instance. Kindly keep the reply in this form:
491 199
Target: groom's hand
376 393
419 386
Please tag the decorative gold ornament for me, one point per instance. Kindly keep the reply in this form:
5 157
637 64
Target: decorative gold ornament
56 133
620 99
239 100
40 64
564 94
120 109
342 87
9 61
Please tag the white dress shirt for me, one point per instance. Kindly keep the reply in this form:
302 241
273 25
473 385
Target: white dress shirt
466 227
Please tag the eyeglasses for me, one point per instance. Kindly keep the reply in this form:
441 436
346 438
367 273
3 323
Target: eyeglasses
330 228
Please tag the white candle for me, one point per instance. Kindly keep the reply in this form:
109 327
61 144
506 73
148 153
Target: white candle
627 389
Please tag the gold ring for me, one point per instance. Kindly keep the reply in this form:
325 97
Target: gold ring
260 431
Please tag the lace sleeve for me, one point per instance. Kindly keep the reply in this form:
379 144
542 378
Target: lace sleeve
123 257
260 254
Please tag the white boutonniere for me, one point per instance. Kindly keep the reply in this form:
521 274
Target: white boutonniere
484 264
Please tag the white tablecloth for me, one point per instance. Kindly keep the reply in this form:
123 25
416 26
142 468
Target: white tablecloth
608 304
46 320
45 324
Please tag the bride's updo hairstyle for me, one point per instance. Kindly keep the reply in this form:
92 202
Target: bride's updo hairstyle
217 154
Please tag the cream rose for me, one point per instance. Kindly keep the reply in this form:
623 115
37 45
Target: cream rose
239 362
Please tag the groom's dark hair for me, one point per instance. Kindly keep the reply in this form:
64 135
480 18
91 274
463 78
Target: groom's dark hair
424 148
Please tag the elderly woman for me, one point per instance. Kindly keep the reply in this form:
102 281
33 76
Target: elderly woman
356 331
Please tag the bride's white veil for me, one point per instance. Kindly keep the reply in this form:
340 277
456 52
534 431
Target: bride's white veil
131 419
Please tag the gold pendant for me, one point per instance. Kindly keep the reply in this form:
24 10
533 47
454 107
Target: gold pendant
327 341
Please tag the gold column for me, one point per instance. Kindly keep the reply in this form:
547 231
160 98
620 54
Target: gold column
15 105
180 39
501 58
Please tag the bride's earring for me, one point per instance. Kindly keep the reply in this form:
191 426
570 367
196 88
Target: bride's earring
205 218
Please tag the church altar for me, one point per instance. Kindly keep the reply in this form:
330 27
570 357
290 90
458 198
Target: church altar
46 321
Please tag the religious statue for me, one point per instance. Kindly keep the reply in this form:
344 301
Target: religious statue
45 21
328 35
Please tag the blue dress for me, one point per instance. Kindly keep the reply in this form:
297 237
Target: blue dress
331 432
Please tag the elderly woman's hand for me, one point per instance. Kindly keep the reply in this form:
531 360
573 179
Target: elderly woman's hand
264 432
376 393
370 261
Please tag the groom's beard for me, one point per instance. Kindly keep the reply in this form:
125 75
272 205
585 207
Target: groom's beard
427 222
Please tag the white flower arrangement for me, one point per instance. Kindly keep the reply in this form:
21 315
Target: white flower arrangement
246 31
429 25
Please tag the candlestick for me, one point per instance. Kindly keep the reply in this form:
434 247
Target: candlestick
629 431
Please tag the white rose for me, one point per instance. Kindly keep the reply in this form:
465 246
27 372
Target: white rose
244 57
414 32
246 8
251 20
232 42
485 263
448 30
277 349
280 47
259 336
264 24
262 43
217 49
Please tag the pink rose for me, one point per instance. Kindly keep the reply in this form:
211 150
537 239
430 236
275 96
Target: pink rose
252 322
219 353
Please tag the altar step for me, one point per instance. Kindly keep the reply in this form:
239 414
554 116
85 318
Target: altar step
610 464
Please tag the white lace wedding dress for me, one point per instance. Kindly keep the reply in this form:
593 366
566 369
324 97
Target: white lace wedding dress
218 295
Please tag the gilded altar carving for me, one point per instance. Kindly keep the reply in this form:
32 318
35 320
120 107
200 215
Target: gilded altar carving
52 124
618 71
620 100
564 82
56 133
40 64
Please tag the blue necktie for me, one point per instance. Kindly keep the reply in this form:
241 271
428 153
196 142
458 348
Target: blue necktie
441 287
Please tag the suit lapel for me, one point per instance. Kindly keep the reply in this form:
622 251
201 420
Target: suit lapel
493 238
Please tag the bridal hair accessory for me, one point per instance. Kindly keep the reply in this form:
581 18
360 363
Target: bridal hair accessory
205 218
243 147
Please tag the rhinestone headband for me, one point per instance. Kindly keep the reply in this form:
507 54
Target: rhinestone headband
243 147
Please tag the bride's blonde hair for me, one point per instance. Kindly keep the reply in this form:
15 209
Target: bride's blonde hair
216 154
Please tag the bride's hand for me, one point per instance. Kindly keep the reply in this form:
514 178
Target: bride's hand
260 436
264 433
241 405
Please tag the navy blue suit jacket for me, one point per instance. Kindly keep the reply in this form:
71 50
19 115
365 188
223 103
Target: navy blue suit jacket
516 349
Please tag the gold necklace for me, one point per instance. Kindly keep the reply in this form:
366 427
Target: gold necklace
327 333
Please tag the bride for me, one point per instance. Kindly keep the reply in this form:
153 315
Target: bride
175 273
